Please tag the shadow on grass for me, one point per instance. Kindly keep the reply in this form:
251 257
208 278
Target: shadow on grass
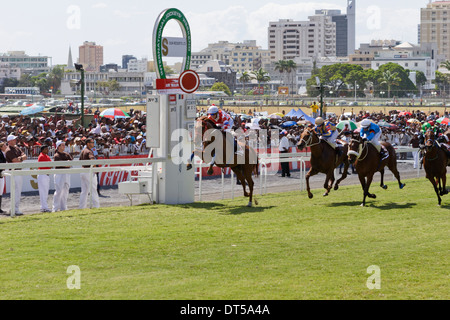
371 204
224 209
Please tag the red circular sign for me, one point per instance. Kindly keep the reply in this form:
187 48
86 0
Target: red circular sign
189 81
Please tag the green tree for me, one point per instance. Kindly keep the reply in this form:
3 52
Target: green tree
220 86
442 81
291 67
446 65
245 78
261 76
280 66
401 84
389 79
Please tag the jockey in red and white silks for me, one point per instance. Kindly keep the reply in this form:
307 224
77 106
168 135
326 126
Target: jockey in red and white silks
220 118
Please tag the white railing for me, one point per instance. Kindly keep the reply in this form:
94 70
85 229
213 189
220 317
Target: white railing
31 168
264 163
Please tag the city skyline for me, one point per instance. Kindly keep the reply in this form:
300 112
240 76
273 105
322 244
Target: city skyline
121 30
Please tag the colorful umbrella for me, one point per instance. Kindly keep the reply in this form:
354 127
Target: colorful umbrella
385 124
445 121
114 113
32 110
351 125
275 116
405 113
288 124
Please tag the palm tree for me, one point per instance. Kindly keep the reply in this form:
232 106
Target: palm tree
280 66
291 66
246 77
261 76
446 65
390 79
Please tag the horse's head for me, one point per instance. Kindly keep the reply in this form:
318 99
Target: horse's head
355 148
308 138
203 127
430 139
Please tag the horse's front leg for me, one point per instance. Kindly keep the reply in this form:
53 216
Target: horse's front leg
312 172
329 182
433 182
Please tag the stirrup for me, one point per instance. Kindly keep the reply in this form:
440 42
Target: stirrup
188 166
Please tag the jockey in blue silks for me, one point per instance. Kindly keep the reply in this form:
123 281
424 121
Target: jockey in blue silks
327 131
372 133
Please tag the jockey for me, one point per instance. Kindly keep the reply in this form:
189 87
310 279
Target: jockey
444 143
225 123
328 132
372 132
220 118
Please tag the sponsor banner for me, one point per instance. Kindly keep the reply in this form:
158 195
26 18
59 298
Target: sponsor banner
174 47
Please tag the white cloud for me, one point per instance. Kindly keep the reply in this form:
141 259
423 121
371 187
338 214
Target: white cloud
236 24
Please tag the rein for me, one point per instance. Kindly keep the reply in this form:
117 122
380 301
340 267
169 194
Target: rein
361 149
307 142
437 153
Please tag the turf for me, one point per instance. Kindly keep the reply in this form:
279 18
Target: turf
286 248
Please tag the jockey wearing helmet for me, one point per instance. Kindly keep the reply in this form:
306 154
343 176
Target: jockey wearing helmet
326 131
220 118
372 132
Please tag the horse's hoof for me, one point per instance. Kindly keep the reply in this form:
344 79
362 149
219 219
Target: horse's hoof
210 172
325 194
362 205
385 187
250 205
372 196
310 196
336 188
402 186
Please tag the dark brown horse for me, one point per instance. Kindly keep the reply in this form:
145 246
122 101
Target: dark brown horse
367 161
435 164
323 160
225 157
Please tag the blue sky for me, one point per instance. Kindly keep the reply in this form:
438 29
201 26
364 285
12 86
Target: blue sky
125 27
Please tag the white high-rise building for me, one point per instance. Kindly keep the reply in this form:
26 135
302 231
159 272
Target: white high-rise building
351 26
289 39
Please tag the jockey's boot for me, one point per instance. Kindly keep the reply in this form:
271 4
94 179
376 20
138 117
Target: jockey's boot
188 166
384 153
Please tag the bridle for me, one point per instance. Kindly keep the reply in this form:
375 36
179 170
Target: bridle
362 147
309 140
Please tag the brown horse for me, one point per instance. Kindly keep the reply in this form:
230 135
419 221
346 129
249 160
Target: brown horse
242 166
323 160
367 161
435 164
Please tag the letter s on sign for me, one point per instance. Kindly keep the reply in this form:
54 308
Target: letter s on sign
165 50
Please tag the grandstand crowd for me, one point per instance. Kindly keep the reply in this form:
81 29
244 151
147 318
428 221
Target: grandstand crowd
112 137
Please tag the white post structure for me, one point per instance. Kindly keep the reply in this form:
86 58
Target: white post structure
171 112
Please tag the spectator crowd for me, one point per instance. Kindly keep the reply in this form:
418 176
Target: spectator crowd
112 137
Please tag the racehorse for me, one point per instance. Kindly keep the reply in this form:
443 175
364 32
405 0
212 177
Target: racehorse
323 160
243 168
367 161
435 165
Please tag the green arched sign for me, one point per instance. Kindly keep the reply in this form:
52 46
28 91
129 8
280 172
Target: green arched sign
159 44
